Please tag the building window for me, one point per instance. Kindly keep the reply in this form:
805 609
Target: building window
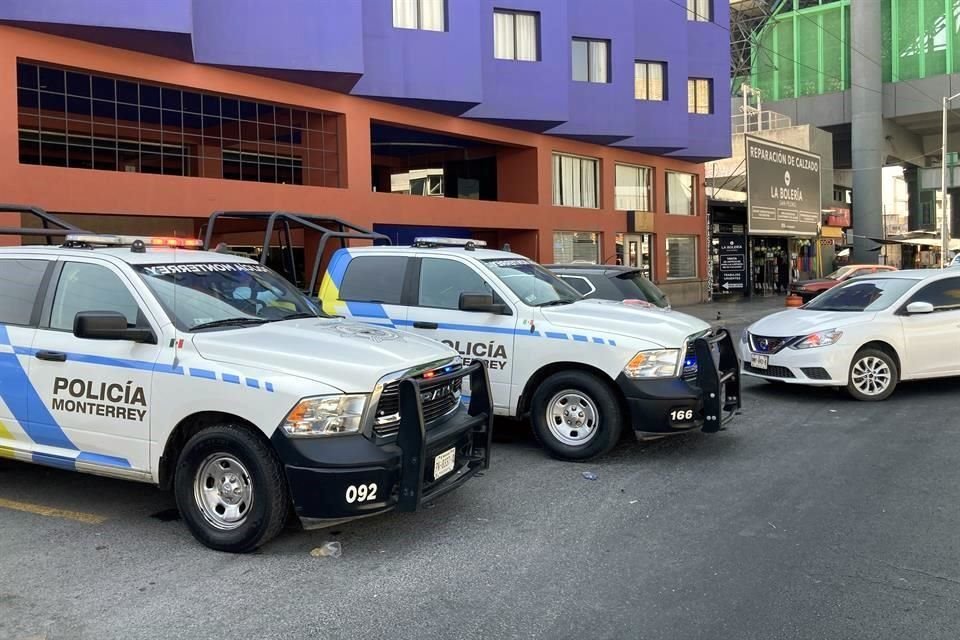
649 80
681 193
700 96
576 246
575 181
633 186
516 35
681 257
699 10
591 60
426 15
85 121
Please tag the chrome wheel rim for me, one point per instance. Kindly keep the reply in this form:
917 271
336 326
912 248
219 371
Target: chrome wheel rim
572 418
871 376
223 491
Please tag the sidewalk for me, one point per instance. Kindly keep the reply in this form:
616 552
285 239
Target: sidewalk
738 311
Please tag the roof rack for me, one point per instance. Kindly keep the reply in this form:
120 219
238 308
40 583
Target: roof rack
51 226
465 243
283 222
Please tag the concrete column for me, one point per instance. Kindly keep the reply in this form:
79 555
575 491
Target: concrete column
867 144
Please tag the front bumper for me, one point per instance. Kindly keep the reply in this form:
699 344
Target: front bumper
674 405
822 367
325 475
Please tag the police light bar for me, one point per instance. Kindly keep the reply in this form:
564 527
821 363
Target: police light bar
448 242
105 240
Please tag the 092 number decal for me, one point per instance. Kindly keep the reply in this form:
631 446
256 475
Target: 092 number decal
361 493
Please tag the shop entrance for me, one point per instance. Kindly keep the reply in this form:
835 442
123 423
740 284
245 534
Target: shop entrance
769 265
638 252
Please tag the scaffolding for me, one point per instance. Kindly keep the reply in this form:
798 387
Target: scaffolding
747 18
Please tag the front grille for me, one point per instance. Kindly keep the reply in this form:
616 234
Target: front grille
816 373
773 371
767 344
437 401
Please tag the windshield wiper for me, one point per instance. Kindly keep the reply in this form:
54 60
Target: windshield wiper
228 322
554 303
300 315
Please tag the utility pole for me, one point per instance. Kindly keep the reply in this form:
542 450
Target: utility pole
945 222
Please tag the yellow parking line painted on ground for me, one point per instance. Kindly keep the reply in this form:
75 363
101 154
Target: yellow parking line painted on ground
51 512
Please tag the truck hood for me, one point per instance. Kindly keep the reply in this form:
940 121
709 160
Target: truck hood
341 353
664 327
801 322
822 283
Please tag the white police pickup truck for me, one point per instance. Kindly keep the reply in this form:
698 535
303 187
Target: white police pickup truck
209 373
584 370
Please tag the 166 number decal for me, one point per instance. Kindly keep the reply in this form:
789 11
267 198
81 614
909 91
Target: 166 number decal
681 415
361 493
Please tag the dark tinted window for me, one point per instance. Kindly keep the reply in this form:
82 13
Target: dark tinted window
90 287
374 279
19 284
634 286
944 294
442 282
580 283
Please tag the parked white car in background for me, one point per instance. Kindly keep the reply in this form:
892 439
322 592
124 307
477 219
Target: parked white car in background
866 335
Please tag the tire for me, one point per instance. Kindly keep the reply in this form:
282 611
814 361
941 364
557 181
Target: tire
228 459
883 369
590 401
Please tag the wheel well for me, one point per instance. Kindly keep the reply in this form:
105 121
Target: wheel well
189 427
888 349
546 371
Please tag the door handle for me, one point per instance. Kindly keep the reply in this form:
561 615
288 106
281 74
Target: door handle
425 325
52 356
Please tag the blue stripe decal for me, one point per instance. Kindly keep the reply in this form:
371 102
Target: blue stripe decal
229 377
269 386
599 341
206 374
4 338
367 310
50 460
613 343
120 363
556 336
103 460
468 327
25 403
252 383
577 338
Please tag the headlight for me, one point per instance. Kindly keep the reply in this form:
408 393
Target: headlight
744 336
819 339
326 415
658 363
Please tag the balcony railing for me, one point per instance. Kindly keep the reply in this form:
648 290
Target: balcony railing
754 120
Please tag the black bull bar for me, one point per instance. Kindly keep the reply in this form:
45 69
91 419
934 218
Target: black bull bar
412 436
720 382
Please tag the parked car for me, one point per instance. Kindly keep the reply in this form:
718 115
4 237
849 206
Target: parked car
606 282
865 335
956 261
810 289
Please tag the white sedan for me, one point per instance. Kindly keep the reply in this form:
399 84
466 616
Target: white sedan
865 335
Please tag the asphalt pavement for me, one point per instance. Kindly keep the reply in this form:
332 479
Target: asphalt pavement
812 516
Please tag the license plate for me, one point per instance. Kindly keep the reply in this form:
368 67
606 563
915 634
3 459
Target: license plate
758 361
443 463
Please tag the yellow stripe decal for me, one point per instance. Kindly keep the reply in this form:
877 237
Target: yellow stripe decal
5 452
51 512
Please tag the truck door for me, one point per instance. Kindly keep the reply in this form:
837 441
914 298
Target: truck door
367 288
476 335
95 393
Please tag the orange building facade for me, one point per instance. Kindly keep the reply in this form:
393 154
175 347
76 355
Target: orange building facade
316 151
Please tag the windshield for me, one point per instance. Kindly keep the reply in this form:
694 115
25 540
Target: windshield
532 283
635 286
839 273
862 295
224 294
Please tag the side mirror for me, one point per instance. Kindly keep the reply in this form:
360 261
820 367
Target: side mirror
481 303
108 325
919 308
